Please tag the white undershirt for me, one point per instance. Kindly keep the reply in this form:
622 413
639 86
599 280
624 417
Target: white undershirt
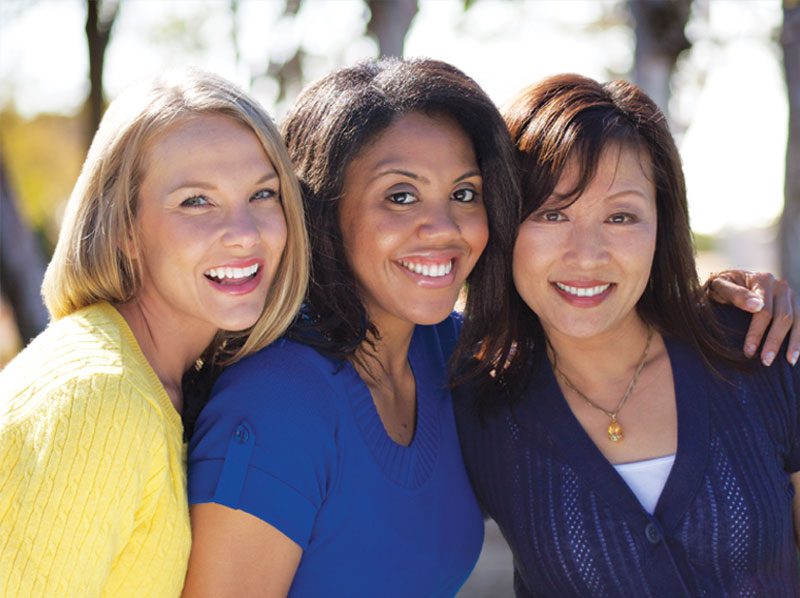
647 478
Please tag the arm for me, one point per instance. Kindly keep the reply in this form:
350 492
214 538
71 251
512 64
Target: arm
237 554
74 490
773 302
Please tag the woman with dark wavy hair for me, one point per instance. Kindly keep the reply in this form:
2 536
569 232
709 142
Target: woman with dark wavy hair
329 464
621 443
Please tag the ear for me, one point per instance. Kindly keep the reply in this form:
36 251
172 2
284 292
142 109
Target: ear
128 245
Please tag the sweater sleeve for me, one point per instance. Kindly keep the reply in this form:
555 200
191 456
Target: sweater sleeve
73 474
266 441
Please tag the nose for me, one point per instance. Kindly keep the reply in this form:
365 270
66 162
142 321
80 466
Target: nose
240 228
586 246
439 224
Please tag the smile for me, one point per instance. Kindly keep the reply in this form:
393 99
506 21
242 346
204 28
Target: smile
583 291
231 275
431 270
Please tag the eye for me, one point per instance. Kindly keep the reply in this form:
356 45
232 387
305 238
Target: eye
195 201
465 195
262 194
402 198
622 218
551 216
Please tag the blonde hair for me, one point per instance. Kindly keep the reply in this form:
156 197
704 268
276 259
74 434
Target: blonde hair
91 262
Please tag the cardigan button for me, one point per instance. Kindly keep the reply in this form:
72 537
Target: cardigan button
652 534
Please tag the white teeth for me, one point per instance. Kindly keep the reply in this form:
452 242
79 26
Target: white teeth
431 270
583 291
233 273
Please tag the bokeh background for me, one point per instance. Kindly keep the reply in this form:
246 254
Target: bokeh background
726 72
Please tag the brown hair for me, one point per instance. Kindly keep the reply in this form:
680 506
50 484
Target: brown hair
568 117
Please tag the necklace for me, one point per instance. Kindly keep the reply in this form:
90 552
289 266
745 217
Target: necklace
615 433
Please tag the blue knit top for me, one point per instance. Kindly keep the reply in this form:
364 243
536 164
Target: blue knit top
722 526
294 439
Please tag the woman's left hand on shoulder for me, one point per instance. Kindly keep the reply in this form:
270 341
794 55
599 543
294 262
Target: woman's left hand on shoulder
775 307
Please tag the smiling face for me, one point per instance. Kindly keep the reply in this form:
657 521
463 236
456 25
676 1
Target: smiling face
582 268
413 220
210 225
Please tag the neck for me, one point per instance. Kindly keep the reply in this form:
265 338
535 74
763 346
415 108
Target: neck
389 355
599 360
169 347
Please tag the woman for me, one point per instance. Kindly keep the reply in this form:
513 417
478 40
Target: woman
186 221
621 444
346 477
328 463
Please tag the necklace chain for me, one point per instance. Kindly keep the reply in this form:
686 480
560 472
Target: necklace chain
614 429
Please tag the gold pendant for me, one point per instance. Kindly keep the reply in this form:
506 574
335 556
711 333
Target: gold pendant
615 431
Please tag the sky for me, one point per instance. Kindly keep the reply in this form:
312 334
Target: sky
729 99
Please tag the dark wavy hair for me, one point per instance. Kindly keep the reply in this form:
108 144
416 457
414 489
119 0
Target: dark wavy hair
337 117
568 117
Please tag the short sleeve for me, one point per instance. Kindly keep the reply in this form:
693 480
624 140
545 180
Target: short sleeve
266 441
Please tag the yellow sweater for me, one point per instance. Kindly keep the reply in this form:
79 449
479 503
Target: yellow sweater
92 475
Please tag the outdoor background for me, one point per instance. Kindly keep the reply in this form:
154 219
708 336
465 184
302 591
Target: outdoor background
727 73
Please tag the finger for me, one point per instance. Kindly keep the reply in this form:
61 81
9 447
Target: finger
761 320
726 291
782 318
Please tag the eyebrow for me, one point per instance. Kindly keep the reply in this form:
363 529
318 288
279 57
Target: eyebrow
417 177
211 187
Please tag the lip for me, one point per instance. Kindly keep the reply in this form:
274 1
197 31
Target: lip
584 302
244 287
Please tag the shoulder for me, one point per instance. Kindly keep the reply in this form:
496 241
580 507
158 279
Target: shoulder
286 387
83 367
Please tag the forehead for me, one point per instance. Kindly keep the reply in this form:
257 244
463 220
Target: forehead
411 133
204 141
616 165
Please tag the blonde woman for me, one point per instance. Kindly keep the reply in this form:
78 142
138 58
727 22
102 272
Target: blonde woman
183 237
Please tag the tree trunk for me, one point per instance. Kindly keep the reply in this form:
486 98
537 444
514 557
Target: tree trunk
389 23
100 18
660 39
21 265
789 234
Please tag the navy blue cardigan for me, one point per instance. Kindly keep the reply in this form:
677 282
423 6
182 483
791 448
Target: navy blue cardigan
722 526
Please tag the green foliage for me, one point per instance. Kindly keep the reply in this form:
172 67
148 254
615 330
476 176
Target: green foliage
703 242
43 157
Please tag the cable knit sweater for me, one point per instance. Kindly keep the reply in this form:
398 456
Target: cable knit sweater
92 478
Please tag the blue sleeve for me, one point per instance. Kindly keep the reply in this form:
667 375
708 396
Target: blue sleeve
265 442
778 387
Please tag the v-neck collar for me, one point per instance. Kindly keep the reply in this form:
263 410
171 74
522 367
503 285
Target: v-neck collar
409 466
551 410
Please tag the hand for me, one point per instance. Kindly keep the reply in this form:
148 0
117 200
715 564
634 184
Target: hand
771 300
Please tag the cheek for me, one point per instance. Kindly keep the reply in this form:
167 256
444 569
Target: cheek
526 262
475 230
274 231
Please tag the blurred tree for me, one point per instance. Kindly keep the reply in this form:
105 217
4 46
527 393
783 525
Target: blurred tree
100 16
21 265
389 23
288 74
789 235
659 26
